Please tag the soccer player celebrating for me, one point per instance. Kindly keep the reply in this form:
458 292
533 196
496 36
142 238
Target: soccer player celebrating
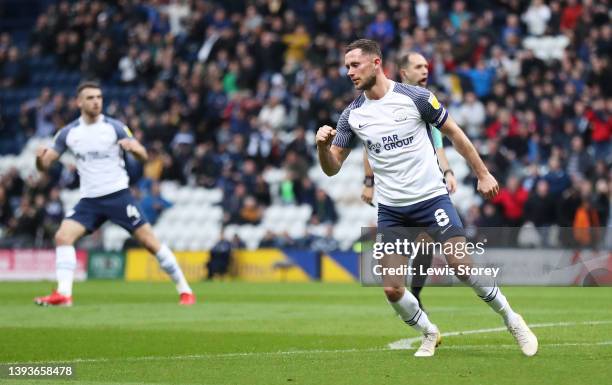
392 120
99 142
414 70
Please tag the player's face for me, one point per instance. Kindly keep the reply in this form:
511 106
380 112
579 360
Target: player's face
416 72
90 101
361 68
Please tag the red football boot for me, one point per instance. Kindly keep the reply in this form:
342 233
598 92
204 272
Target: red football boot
54 299
187 299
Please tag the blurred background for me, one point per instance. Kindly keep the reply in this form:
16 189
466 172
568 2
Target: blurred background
227 96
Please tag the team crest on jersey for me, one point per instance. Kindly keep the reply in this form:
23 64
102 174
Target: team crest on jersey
373 146
433 101
400 114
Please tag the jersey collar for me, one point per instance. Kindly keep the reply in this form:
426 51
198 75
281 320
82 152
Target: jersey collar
389 91
82 121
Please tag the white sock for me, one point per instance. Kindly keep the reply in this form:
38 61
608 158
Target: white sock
409 311
168 263
491 294
65 263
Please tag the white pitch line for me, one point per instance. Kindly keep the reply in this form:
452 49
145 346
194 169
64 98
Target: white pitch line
513 346
198 356
406 343
398 345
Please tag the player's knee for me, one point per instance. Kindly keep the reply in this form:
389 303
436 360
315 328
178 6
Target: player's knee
394 294
147 239
63 238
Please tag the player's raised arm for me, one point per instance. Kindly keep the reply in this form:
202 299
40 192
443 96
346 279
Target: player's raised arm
45 157
331 156
487 185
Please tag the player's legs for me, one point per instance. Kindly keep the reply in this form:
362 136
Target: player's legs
66 236
124 211
84 218
486 288
444 225
407 308
421 262
447 228
146 237
401 300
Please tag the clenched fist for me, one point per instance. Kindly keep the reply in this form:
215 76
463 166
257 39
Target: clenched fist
325 135
487 186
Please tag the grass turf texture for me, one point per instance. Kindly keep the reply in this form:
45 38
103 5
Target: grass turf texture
241 333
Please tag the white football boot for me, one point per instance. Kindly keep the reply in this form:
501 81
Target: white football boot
431 340
524 337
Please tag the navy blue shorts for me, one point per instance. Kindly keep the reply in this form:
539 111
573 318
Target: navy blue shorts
119 207
436 215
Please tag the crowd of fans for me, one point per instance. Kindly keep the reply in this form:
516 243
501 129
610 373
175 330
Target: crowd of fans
220 91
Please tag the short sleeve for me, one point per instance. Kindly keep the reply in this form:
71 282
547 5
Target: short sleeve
437 138
121 129
344 133
59 141
430 108
123 132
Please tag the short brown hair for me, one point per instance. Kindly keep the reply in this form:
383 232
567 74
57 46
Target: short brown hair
87 84
404 59
366 45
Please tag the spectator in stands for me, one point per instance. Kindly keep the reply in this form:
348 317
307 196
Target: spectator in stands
220 258
536 17
158 161
512 199
15 186
13 72
557 178
471 116
570 15
6 211
327 243
42 110
237 242
459 16
273 115
382 30
250 212
54 213
540 209
481 77
153 203
323 210
579 162
28 219
297 42
261 191
587 222
601 125
232 204
300 146
128 66
268 240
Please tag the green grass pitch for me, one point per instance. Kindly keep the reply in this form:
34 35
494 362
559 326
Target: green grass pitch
243 333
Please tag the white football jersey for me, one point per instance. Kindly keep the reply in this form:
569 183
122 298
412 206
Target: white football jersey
396 132
100 161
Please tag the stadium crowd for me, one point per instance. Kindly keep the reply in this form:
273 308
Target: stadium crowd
220 91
